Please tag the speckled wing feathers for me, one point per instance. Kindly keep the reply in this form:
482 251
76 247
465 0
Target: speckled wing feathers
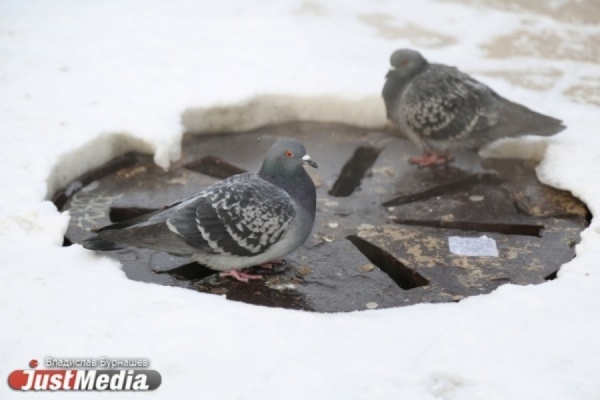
241 216
446 109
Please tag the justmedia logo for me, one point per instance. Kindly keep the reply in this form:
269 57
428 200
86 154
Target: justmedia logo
123 379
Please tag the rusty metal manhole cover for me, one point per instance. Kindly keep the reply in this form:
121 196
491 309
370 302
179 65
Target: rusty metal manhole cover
384 229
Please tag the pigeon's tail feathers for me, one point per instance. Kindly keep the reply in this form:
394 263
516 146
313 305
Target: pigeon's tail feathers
141 219
97 243
518 120
157 236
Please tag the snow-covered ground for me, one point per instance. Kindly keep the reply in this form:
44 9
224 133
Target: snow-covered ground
83 81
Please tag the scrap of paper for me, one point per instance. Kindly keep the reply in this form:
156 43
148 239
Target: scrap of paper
473 247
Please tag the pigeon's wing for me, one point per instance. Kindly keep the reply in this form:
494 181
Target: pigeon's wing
241 216
392 89
152 217
148 230
443 104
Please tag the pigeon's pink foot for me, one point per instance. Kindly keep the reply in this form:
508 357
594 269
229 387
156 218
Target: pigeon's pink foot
273 263
239 275
245 276
430 158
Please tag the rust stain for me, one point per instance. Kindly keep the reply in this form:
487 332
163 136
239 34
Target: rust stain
540 80
418 35
128 173
573 11
546 44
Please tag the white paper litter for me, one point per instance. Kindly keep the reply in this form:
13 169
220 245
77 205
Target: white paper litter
83 81
473 247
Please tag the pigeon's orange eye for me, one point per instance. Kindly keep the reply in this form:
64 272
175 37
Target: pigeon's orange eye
289 154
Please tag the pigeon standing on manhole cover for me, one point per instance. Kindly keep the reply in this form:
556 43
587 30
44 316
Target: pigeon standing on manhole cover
382 231
248 219
441 109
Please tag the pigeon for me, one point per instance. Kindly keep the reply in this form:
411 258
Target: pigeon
441 108
242 221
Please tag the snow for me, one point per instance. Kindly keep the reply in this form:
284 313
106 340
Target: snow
81 82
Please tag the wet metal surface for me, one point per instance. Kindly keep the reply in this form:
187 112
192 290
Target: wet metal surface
381 237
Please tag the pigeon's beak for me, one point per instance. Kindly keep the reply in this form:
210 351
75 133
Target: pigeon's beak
307 160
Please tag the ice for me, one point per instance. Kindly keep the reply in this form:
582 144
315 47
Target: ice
82 82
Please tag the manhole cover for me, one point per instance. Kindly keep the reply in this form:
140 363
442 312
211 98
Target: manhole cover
387 233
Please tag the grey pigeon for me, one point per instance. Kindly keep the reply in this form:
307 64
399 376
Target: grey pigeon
441 109
245 220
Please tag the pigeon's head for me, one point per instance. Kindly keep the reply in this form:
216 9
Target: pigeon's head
286 156
406 62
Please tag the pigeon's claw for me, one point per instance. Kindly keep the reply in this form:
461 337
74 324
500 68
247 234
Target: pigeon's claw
430 158
239 275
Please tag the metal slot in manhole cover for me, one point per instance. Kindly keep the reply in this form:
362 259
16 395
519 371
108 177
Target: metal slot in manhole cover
387 233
